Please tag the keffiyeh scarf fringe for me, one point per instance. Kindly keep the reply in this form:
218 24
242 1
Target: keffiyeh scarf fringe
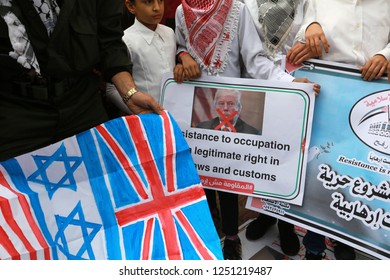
212 57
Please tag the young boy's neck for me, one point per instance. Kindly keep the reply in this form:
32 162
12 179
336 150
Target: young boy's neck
152 27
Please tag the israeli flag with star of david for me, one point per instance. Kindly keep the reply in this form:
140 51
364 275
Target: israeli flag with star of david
126 189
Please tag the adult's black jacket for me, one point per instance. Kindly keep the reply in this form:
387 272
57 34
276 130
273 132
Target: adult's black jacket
86 35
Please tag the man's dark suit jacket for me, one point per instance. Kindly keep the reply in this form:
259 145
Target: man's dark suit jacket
240 126
88 33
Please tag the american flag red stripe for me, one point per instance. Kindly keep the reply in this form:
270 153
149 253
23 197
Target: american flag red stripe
7 211
203 100
8 215
8 245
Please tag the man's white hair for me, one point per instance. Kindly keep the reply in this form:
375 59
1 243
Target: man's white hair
231 92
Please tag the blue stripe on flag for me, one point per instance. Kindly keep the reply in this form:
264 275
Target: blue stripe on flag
159 251
101 194
200 218
189 253
132 240
123 193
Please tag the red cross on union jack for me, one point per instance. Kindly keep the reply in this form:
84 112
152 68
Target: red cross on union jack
162 200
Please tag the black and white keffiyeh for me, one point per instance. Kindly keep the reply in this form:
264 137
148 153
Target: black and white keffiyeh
276 18
23 52
48 11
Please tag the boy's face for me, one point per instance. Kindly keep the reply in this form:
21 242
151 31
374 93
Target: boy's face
148 12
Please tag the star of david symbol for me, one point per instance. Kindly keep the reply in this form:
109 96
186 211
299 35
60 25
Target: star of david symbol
49 171
86 231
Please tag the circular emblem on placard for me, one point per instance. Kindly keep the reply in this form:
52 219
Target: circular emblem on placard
370 121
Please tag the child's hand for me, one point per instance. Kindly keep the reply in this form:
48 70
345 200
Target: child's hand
316 39
190 67
178 73
388 71
316 87
374 68
299 53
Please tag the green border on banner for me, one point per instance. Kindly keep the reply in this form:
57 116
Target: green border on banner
300 180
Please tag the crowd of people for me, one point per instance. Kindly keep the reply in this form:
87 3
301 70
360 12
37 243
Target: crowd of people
55 55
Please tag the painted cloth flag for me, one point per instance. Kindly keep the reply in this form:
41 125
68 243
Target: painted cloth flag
126 189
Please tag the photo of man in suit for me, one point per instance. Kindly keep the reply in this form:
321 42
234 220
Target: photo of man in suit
227 104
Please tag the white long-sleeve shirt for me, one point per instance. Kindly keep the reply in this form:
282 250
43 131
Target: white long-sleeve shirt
300 9
356 30
246 50
152 53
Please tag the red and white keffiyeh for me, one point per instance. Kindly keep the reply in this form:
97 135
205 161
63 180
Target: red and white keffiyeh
210 26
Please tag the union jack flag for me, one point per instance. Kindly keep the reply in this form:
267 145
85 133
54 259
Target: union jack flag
126 189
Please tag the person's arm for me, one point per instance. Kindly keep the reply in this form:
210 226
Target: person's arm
316 87
315 41
252 53
386 50
299 53
255 61
137 101
300 50
113 96
114 58
376 66
388 71
179 33
190 68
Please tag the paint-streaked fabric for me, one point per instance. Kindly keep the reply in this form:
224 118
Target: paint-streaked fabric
127 189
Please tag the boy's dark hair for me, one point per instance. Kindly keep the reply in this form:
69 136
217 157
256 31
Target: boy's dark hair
127 17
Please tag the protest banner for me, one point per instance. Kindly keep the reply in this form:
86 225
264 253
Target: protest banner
347 191
263 151
126 189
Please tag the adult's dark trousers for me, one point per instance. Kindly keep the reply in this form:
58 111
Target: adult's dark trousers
228 203
28 123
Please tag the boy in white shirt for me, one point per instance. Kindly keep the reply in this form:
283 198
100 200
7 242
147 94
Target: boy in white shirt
152 49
